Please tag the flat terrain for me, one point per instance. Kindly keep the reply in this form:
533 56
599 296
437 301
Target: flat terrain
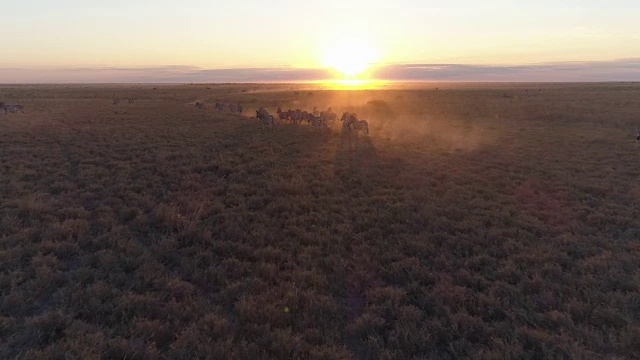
475 221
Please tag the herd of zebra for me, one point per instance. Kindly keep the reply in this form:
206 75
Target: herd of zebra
234 108
297 116
11 108
116 101
319 121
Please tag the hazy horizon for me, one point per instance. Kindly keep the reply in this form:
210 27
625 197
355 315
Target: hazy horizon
246 40
601 71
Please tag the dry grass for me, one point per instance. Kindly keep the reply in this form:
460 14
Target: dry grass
468 225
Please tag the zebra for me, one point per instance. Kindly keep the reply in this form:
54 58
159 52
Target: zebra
12 108
295 116
116 101
199 106
329 116
271 121
233 108
267 120
130 100
347 118
318 123
239 108
638 136
310 117
289 115
220 107
283 115
360 125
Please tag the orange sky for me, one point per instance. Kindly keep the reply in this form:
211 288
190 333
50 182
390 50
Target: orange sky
254 34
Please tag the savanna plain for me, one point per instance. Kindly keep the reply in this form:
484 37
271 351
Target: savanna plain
484 221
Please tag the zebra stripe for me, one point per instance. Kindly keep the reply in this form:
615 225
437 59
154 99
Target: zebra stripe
360 125
268 121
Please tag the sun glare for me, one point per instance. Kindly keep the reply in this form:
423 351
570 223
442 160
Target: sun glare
351 57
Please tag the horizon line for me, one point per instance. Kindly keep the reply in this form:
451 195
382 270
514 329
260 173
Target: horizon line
618 70
332 81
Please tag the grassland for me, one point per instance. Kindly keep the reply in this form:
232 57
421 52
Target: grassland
477 221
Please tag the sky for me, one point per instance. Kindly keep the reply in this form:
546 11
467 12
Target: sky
242 40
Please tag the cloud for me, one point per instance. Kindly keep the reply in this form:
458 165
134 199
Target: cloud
167 74
615 70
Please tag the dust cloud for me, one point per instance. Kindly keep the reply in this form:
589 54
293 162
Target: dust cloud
402 116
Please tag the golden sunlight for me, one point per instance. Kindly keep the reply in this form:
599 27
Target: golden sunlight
352 84
351 57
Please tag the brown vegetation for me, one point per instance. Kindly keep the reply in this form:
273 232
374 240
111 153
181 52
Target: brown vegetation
474 222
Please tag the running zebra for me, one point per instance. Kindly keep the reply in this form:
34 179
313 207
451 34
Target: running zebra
318 123
235 108
347 118
199 106
268 121
12 108
360 125
328 115
283 115
307 116
296 116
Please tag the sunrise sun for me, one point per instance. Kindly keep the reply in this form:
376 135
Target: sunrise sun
351 57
